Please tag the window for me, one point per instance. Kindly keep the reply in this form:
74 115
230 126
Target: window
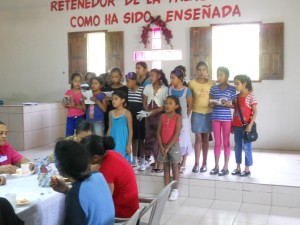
157 55
237 48
269 53
95 51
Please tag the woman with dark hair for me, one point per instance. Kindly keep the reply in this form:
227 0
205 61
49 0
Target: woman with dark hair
154 96
116 85
117 171
141 69
201 115
89 200
83 129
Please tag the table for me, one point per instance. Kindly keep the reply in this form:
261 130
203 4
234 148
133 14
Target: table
47 209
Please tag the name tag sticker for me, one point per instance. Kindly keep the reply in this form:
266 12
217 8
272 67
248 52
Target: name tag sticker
3 158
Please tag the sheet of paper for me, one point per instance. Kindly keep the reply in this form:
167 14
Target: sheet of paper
88 94
108 93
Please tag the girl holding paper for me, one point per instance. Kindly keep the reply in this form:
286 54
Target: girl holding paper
95 112
72 101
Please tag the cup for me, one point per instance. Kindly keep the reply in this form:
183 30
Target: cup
11 197
25 168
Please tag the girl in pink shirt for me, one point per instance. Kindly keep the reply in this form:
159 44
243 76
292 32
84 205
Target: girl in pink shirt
72 101
168 132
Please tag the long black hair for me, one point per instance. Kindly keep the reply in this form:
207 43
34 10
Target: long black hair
162 76
83 125
245 79
72 159
97 145
73 76
177 102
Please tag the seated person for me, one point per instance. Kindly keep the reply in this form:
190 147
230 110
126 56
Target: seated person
7 214
89 200
117 171
83 129
10 159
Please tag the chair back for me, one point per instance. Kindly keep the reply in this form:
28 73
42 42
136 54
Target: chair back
133 220
158 205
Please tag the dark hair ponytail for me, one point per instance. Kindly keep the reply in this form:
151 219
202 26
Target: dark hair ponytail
162 76
245 79
97 145
72 159
108 143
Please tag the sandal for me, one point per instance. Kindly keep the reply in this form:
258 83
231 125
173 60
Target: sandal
195 169
214 171
223 172
245 174
159 171
182 170
236 172
203 169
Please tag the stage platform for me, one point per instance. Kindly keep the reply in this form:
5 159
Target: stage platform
274 180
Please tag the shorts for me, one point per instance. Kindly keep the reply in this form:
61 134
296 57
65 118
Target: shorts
201 123
173 155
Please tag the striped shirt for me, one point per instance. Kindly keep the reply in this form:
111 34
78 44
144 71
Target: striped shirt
222 113
135 96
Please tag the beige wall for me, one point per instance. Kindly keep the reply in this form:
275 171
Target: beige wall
34 54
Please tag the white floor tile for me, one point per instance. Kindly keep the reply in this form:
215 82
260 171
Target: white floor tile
208 221
182 219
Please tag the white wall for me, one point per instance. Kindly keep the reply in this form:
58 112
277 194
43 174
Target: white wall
34 54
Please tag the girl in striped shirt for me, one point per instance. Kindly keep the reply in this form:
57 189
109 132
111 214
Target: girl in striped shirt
221 118
135 104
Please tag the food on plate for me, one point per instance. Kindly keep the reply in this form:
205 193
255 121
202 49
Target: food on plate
19 171
22 201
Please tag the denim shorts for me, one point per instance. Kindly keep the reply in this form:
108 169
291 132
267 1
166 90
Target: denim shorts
201 123
98 128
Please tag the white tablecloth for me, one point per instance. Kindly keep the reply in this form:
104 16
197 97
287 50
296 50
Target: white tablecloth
47 207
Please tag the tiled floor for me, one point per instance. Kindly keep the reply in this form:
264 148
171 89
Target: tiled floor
194 211
270 167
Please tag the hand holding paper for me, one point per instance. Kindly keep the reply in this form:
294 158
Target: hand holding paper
88 94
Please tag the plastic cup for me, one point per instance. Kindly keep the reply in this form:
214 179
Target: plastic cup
25 168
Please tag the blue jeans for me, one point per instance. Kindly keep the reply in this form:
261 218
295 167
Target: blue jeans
72 123
239 141
98 128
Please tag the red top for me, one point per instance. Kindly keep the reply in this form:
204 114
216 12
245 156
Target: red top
168 128
72 112
246 104
8 155
116 170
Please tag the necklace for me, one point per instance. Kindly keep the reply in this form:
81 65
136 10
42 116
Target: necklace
168 121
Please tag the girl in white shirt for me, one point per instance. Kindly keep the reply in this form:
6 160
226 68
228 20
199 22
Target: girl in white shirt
154 96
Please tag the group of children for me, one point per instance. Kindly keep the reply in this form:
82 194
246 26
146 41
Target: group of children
164 131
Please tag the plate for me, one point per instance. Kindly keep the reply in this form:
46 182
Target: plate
22 201
25 198
21 175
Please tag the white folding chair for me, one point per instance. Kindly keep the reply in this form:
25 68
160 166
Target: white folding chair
157 205
132 220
